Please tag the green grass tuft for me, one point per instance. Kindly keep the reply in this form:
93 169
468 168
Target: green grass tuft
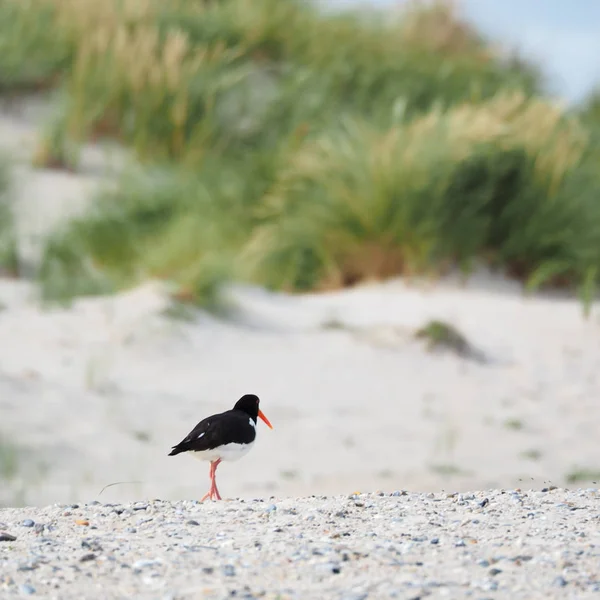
9 260
9 460
580 475
160 226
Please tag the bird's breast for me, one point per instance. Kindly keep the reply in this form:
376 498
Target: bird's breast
228 452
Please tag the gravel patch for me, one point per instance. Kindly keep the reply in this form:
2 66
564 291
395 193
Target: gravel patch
487 544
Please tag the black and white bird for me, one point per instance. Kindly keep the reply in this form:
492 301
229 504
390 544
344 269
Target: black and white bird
225 436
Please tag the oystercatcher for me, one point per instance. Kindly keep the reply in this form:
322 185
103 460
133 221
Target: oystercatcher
225 436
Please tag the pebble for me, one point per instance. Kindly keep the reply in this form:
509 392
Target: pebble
560 581
92 544
28 523
229 571
145 563
330 567
7 537
87 557
26 589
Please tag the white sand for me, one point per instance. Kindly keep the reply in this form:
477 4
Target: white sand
98 393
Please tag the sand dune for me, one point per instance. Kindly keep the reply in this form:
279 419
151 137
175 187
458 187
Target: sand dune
98 393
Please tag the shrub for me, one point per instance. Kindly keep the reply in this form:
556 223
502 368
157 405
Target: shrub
159 226
307 150
493 180
176 78
33 53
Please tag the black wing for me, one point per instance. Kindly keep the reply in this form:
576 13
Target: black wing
218 430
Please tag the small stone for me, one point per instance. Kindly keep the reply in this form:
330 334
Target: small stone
208 570
144 563
192 522
460 543
271 508
26 589
39 528
560 581
434 541
484 503
483 563
330 567
493 572
87 557
91 544
229 571
7 537
28 523
131 530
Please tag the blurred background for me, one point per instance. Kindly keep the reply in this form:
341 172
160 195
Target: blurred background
381 217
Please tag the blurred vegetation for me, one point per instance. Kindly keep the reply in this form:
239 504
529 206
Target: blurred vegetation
303 150
8 241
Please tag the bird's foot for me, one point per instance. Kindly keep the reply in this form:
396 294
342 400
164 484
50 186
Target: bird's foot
213 494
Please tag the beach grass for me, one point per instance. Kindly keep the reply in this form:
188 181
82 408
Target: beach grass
304 150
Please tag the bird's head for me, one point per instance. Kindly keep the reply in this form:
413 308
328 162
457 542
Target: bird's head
249 403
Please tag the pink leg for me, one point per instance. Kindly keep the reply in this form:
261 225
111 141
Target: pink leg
213 493
214 480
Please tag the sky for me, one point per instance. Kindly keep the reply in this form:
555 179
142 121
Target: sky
560 35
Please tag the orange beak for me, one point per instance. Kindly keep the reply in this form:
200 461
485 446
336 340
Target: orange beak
262 416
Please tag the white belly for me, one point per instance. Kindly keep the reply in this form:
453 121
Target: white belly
229 452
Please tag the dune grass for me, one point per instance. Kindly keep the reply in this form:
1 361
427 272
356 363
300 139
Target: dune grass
33 54
303 150
160 225
8 240
500 180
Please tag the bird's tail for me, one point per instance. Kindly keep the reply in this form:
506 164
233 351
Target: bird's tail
177 450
